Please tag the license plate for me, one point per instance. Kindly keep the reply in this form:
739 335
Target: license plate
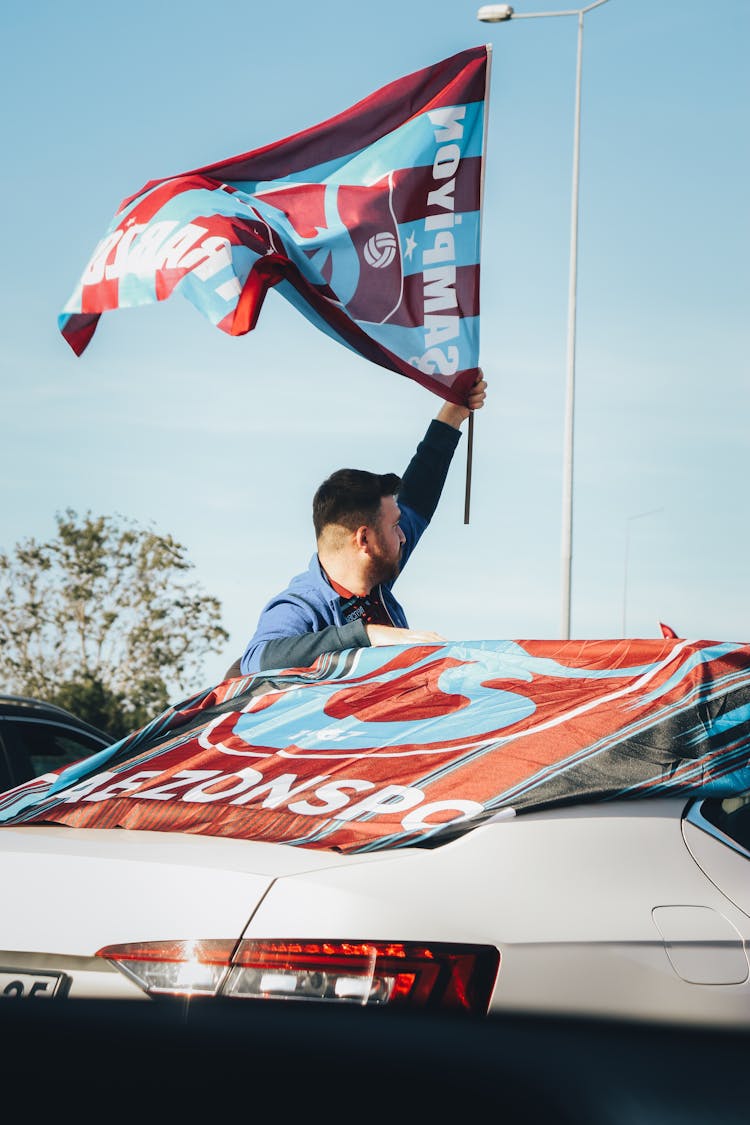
37 986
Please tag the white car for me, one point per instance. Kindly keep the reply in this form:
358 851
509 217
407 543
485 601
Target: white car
171 866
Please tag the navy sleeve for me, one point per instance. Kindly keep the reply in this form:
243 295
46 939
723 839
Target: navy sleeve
291 633
422 483
302 651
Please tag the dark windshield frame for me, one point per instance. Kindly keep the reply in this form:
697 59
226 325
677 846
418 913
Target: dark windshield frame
727 819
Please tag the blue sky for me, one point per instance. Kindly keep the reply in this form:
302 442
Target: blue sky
222 441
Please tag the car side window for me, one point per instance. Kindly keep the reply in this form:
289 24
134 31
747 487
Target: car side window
731 817
38 747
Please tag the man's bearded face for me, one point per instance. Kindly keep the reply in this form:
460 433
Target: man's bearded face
386 540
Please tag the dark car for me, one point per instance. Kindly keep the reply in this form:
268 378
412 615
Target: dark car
36 737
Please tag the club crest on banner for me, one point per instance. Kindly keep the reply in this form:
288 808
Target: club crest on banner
342 233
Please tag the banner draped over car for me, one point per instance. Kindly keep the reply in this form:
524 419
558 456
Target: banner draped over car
369 224
381 747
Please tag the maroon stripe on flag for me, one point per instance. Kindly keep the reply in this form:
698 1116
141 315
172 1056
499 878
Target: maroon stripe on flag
412 186
454 81
78 330
453 388
417 288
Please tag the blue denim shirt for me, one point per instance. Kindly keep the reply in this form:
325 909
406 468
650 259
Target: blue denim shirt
305 620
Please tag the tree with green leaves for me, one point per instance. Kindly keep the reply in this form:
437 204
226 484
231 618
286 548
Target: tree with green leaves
105 620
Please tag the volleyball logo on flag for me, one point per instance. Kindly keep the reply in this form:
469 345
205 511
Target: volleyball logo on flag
380 250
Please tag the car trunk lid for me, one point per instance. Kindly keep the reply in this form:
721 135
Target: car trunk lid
72 891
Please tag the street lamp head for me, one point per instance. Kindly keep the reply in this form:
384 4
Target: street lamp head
494 13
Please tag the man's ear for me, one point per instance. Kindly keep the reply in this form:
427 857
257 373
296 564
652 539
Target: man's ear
361 537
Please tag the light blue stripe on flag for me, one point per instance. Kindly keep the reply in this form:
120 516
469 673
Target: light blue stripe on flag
465 238
408 342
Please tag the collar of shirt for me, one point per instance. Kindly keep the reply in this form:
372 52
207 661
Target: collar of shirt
368 607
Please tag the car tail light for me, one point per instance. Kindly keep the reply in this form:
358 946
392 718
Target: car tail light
406 974
173 968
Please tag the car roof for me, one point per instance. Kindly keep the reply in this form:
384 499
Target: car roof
30 707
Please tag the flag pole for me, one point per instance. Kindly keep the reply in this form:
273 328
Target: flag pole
469 451
470 434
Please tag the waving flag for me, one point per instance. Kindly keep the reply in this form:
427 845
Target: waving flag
377 747
369 224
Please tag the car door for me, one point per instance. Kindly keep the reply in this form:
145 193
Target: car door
717 832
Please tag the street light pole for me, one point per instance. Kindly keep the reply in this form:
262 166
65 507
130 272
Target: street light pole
501 13
637 516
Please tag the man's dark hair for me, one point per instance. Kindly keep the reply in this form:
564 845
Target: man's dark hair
351 498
